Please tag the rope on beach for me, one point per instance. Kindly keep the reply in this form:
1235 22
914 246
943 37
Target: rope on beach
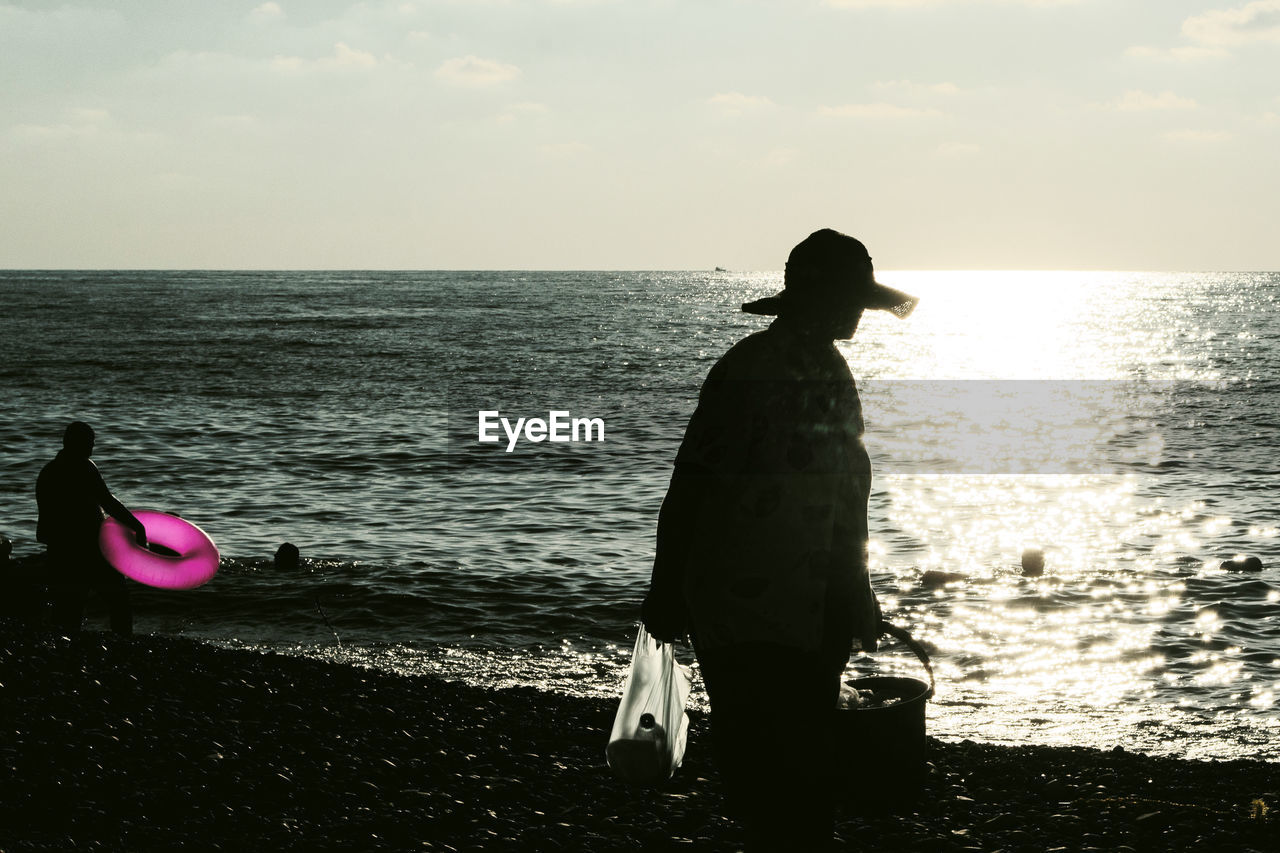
1257 809
327 623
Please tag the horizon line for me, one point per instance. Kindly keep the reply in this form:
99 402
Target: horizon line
4 270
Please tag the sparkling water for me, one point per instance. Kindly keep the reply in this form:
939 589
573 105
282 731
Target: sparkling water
1125 423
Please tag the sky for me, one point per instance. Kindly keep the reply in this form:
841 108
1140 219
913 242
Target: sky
639 134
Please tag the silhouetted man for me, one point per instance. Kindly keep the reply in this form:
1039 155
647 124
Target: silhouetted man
72 497
762 542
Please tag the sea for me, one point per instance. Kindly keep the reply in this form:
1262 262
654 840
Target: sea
1124 423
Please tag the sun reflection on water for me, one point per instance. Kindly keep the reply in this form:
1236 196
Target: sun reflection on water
1112 627
1079 414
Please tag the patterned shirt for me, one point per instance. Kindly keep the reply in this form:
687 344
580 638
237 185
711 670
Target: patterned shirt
765 523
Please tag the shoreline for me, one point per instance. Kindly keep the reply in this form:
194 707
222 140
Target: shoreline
172 743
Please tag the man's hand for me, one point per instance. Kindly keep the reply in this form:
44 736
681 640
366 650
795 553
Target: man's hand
141 533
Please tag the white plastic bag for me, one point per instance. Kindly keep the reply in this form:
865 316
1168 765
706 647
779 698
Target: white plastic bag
651 728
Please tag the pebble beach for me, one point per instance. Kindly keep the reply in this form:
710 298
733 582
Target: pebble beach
168 743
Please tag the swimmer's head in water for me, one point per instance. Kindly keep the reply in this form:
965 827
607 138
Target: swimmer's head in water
78 439
829 271
287 556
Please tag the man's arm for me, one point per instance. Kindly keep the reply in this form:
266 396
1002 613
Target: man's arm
663 611
112 506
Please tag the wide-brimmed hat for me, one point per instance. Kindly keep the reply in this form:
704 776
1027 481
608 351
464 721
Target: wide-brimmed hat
827 263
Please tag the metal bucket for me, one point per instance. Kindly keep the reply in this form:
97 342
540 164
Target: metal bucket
882 749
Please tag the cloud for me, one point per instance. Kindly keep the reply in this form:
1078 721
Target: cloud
344 58
917 88
1197 137
78 123
1138 101
522 110
911 4
736 103
233 121
877 111
1188 53
1253 22
780 157
564 149
86 115
89 126
957 150
48 132
867 4
266 12
474 71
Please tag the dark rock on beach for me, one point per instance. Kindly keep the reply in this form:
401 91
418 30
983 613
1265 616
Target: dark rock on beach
162 743
1242 563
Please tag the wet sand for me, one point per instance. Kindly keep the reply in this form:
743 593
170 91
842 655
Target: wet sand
164 743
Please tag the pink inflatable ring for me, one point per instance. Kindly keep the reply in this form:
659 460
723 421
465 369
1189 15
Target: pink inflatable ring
194 563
